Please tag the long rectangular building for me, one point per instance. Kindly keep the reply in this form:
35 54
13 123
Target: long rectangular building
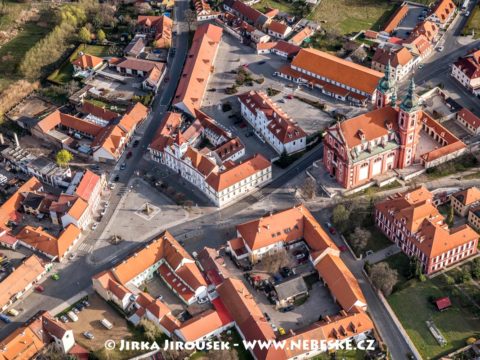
336 77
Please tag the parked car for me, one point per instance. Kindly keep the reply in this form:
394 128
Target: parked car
112 185
103 212
286 309
72 316
107 324
123 166
39 288
286 271
261 62
86 303
94 225
88 335
129 155
71 256
212 89
266 316
440 48
135 143
13 312
342 248
116 178
79 307
75 311
63 319
106 204
55 277
281 331
5 318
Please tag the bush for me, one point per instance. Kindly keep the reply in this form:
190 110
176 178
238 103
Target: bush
471 341
260 80
272 92
231 90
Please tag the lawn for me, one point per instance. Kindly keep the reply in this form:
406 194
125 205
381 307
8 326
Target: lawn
456 324
11 12
64 74
12 53
473 23
376 242
349 16
401 263
344 355
283 6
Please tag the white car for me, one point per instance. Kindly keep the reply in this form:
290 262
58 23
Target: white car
103 211
106 204
440 48
112 186
94 225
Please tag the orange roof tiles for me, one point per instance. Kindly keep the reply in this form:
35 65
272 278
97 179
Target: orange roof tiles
87 184
223 180
302 35
168 126
201 325
57 118
396 18
469 117
9 208
430 233
337 69
78 208
87 61
426 28
396 57
39 239
163 28
341 282
468 196
198 67
25 274
278 27
372 124
100 112
443 9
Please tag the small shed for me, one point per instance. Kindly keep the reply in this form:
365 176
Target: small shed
291 289
443 303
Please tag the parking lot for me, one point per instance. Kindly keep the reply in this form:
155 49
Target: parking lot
89 320
231 55
410 21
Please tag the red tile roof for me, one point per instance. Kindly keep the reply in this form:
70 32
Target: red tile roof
87 61
443 9
396 18
87 184
469 117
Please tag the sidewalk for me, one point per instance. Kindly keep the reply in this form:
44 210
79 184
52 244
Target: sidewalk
71 301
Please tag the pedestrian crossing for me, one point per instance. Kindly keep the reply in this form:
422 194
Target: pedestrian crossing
85 248
122 190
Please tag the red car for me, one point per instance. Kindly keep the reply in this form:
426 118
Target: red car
290 97
332 230
40 288
129 155
342 248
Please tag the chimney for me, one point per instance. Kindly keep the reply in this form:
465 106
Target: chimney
17 144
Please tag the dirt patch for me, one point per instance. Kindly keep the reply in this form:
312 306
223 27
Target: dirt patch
89 320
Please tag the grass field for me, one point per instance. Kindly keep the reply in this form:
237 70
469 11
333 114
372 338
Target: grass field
12 53
10 13
64 74
413 308
281 5
347 16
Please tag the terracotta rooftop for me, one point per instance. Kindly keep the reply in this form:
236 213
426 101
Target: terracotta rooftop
469 117
337 69
87 61
443 9
396 18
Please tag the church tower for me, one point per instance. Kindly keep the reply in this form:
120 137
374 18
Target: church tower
409 126
385 90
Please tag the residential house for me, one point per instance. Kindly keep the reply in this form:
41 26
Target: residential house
136 46
301 36
27 341
396 19
86 62
335 77
466 70
20 280
462 201
271 123
442 12
248 13
152 72
414 224
469 120
278 29
204 11
400 59
157 28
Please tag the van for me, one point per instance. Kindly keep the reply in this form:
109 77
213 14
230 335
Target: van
12 312
106 323
72 316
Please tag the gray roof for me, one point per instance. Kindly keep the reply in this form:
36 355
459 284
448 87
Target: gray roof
290 287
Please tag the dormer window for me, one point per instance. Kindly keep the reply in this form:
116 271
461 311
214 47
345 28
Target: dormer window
361 134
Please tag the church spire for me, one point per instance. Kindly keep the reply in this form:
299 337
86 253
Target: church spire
386 83
410 102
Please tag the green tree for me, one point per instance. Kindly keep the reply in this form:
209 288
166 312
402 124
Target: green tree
151 331
340 217
476 268
101 36
465 277
63 157
84 35
451 216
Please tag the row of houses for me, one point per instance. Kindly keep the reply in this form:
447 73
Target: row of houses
100 133
466 70
67 213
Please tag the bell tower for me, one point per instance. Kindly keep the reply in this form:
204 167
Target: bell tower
409 126
385 90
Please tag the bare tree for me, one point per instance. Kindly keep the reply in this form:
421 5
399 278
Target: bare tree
383 277
223 355
359 238
309 188
190 18
273 261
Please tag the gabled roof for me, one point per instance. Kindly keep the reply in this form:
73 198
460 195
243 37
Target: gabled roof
337 69
341 282
443 9
468 196
87 61
140 64
100 112
86 185
396 18
26 273
169 125
470 64
198 67
201 325
278 27
396 57
469 117
223 180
